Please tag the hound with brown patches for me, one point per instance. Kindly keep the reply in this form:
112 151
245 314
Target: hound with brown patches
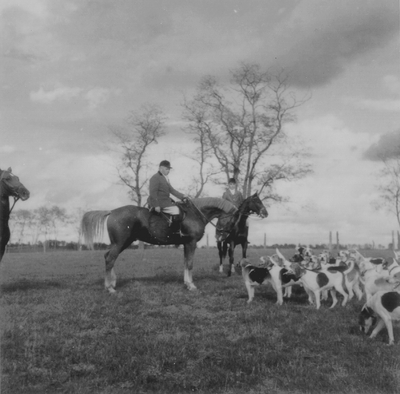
367 263
271 273
351 276
386 305
376 281
255 276
315 282
381 279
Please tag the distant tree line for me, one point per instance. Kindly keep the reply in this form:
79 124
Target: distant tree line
41 225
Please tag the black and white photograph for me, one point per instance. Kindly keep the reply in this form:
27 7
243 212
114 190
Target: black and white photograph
200 196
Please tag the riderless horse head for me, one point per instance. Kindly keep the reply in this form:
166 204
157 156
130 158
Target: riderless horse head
11 186
253 204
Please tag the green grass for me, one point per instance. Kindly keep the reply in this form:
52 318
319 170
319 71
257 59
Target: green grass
62 332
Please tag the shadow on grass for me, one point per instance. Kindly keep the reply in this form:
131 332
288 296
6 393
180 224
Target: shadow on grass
124 281
25 285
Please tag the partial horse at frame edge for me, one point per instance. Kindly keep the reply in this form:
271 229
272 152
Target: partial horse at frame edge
10 186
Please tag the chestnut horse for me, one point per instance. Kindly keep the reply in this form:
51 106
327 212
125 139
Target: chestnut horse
9 186
229 235
130 223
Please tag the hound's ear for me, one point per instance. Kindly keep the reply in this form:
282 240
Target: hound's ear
9 169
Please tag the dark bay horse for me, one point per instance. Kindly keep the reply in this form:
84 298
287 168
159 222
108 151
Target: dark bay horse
131 223
10 186
232 230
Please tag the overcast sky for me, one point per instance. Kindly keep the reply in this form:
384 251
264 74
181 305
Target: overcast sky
72 68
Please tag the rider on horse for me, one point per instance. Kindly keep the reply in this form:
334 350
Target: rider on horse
235 196
232 194
159 191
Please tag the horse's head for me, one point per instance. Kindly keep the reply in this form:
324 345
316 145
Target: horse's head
254 204
12 186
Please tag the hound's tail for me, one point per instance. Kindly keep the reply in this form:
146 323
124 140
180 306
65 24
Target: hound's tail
92 227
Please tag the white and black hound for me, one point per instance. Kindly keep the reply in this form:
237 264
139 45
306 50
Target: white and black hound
315 282
272 273
383 307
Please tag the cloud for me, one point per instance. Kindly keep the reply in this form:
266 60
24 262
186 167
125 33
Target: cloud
387 147
59 93
385 105
322 38
392 84
94 97
337 196
7 149
37 7
152 45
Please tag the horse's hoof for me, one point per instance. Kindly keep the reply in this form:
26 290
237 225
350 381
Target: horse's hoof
111 290
190 286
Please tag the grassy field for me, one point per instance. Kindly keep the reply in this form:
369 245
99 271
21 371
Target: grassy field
61 332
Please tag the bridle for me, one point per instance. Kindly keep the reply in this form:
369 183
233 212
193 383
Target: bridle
16 198
204 217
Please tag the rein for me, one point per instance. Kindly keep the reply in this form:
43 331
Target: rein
203 216
15 200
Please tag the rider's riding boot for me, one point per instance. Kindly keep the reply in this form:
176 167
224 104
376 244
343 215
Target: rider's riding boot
175 225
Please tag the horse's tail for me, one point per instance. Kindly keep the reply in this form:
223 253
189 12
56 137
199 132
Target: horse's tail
92 227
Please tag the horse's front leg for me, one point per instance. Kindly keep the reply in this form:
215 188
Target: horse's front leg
221 256
244 248
4 238
189 250
231 252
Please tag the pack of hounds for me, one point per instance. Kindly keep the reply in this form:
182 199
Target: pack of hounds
350 274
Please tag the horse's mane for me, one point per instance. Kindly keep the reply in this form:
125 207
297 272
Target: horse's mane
214 202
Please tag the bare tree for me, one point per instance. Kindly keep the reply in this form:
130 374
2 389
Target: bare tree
389 187
48 221
21 220
203 153
243 123
58 217
142 129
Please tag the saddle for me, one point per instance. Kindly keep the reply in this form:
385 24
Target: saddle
165 227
